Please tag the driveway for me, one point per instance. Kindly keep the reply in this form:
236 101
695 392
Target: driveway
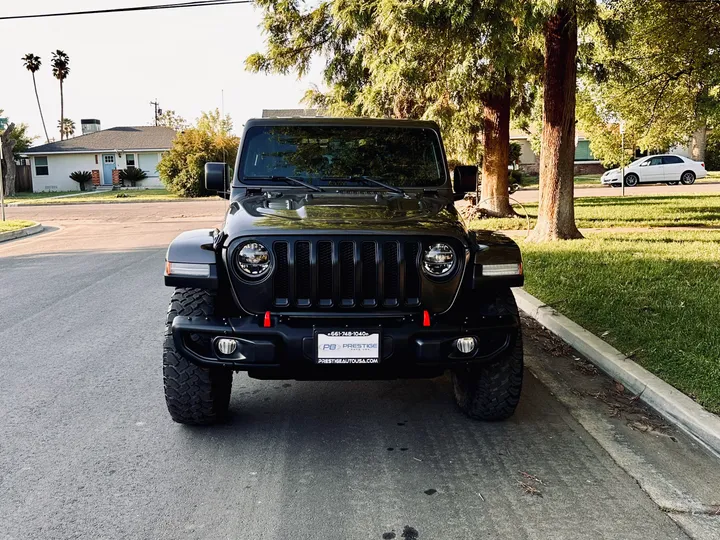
88 450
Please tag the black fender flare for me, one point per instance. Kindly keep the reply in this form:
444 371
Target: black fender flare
192 248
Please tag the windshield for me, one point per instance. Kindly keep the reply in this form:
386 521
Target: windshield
334 155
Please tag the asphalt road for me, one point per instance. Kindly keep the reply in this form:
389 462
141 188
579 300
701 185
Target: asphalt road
87 449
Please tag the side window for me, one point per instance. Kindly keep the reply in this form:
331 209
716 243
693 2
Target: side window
645 163
130 161
656 161
41 166
671 160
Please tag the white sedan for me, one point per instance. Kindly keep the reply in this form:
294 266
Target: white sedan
667 168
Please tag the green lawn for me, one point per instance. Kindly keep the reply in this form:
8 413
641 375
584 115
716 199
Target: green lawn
7 226
585 180
646 211
654 296
148 195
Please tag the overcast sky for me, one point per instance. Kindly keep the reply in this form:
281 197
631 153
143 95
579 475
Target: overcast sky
121 62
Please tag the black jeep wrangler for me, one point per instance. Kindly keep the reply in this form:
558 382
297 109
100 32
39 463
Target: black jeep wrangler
342 257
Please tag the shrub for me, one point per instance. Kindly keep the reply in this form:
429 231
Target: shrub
712 151
81 177
516 177
182 168
132 175
515 152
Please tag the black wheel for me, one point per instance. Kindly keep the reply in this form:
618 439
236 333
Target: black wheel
492 392
631 180
688 178
194 395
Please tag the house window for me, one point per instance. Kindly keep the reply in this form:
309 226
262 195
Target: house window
130 161
41 166
582 151
109 158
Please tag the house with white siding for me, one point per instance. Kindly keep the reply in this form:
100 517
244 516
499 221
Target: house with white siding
102 152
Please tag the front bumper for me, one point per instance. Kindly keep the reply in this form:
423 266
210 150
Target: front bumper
608 180
288 346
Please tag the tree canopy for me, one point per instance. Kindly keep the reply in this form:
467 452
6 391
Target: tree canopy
182 168
172 120
658 73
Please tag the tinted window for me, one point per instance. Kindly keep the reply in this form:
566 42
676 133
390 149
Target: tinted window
671 160
323 155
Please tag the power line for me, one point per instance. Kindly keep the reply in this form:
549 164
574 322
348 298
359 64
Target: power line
175 5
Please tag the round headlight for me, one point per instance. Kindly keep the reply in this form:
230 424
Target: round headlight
438 260
253 259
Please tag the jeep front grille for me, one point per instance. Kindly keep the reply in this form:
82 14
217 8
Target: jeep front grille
346 274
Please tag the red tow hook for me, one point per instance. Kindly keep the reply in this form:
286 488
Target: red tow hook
267 321
426 318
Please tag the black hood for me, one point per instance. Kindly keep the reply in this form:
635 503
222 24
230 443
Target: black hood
344 213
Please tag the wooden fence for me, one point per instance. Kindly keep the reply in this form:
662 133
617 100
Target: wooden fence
23 181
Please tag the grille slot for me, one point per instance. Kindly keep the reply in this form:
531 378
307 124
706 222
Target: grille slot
391 274
369 274
345 274
325 274
281 275
412 274
303 274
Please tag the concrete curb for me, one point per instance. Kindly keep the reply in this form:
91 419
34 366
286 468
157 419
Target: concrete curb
21 233
666 400
146 201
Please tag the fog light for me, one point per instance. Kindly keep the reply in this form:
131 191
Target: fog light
226 346
466 344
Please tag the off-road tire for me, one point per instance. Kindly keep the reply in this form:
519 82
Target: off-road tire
194 395
491 392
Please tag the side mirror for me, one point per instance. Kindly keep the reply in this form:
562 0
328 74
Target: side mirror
465 179
216 177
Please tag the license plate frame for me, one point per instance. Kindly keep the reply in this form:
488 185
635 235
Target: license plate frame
345 355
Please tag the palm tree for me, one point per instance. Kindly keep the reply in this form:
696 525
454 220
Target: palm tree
32 64
67 128
61 69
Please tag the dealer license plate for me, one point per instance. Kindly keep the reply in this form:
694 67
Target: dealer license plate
348 347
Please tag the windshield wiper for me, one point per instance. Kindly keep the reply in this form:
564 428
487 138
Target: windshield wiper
370 180
289 178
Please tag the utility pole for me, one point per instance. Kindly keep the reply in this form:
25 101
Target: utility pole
2 184
156 110
622 164
3 125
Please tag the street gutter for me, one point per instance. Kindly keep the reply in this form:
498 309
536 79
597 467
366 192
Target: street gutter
665 399
21 233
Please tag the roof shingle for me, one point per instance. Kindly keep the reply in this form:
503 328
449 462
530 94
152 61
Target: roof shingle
117 138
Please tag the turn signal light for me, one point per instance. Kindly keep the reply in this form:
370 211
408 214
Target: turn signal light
514 269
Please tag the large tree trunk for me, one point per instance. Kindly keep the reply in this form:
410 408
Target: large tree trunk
556 212
494 197
42 118
9 170
698 142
